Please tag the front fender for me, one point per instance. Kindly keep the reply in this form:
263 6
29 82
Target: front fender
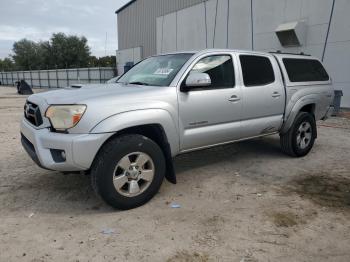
293 110
134 118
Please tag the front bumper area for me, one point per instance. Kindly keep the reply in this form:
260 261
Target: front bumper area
80 149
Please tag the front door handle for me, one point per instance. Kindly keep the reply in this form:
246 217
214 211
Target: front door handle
234 98
276 94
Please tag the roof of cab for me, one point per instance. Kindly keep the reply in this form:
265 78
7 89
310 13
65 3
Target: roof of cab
277 54
213 50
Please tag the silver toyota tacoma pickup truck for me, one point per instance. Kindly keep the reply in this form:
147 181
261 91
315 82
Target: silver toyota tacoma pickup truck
127 133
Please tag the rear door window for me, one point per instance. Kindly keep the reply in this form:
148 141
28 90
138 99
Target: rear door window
257 70
305 70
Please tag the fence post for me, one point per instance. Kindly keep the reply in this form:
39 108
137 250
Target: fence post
31 77
78 76
48 79
57 78
39 78
12 77
99 70
67 76
89 75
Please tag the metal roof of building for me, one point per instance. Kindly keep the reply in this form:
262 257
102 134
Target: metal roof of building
124 6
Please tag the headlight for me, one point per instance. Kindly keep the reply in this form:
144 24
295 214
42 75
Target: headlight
63 117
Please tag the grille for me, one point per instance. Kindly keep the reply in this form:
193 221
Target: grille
32 113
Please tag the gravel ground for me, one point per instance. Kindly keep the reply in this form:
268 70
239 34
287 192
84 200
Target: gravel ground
241 202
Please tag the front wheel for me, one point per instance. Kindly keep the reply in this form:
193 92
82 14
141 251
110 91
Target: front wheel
128 171
300 138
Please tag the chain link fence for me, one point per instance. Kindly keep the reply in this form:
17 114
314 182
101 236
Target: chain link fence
57 78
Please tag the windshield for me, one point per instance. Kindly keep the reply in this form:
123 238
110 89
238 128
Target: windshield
156 70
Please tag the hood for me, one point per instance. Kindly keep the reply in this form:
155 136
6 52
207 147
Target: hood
105 100
75 95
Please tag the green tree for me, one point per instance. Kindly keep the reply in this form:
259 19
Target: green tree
107 61
69 51
47 60
7 64
27 55
93 61
61 51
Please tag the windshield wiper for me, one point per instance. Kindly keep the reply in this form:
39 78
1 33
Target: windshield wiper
138 83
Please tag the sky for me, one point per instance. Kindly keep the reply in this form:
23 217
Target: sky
38 19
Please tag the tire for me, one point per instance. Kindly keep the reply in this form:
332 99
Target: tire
300 138
122 161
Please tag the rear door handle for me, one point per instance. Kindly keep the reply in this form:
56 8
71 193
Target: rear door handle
234 98
276 94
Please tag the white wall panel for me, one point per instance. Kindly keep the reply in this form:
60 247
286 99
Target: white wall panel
239 25
220 34
210 20
316 11
314 50
292 10
169 33
268 14
266 41
337 59
337 55
159 25
191 33
316 34
340 28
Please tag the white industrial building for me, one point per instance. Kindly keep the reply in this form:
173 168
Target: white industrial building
317 27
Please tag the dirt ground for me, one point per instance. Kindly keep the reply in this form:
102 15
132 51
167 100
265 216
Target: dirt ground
241 202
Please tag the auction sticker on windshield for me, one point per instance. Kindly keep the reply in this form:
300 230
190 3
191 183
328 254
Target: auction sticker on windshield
163 71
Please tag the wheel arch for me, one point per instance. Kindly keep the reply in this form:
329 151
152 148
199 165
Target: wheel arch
302 105
156 125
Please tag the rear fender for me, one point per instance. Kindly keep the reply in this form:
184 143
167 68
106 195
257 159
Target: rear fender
295 109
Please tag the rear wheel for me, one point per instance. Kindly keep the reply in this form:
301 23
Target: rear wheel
300 138
128 171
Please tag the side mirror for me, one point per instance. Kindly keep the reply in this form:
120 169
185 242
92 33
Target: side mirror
198 80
